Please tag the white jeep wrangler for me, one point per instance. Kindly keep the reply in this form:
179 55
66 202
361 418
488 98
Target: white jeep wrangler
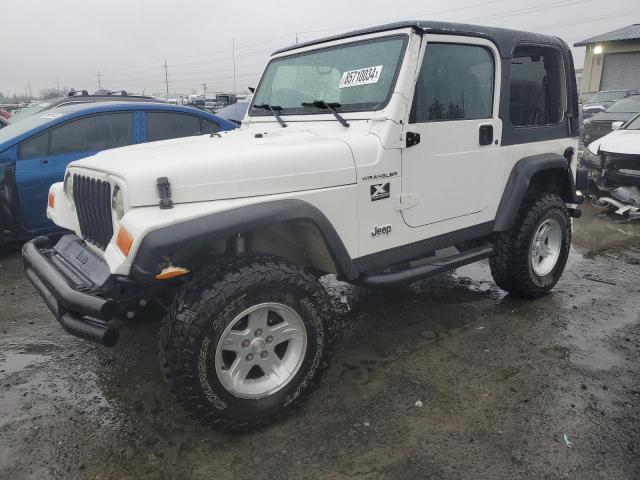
364 155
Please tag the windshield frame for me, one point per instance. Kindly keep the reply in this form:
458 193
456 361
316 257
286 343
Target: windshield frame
626 126
253 112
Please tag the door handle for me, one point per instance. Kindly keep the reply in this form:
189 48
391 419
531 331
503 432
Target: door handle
486 135
44 161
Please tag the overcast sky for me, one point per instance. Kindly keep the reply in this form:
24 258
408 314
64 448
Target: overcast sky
127 41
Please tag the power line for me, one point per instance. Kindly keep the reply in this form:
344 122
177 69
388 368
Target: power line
247 54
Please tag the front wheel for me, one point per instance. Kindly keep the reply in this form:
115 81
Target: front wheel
530 258
245 342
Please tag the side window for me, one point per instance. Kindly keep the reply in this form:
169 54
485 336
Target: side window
35 147
455 83
537 88
95 133
165 125
208 127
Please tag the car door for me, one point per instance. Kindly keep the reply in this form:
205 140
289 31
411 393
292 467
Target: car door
43 158
453 170
165 125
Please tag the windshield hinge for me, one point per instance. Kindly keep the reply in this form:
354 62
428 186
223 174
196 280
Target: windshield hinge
412 139
405 201
164 192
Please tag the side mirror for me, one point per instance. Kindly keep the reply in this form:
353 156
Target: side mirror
617 125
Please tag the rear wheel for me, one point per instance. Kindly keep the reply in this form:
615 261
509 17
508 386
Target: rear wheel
245 342
531 257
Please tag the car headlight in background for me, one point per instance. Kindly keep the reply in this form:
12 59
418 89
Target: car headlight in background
68 188
117 203
589 159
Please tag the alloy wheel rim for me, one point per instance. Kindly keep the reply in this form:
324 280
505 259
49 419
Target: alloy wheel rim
545 247
261 350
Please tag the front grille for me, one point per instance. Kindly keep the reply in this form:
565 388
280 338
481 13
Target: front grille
92 198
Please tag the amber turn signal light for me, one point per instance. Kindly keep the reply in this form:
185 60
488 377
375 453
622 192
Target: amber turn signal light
171 272
124 241
52 200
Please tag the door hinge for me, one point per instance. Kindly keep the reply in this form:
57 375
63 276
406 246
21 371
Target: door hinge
407 200
412 138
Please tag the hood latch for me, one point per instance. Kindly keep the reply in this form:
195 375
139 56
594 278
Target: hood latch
164 191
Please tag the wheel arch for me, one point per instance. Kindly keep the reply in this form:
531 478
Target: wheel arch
547 172
287 228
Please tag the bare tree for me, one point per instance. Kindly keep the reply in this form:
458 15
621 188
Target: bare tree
47 93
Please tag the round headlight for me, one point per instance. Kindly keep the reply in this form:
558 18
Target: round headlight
68 188
117 203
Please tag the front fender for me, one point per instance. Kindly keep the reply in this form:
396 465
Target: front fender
178 242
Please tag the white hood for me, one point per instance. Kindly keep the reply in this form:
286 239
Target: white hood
620 141
234 164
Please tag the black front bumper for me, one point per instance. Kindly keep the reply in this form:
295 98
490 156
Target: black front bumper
71 296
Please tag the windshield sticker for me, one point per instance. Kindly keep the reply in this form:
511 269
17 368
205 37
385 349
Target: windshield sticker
362 76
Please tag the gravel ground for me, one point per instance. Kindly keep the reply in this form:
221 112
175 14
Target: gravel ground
450 378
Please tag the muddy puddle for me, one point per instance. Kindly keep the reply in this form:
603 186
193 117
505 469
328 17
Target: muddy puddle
597 231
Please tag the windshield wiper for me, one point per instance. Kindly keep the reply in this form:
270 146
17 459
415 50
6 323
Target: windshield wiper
321 104
275 109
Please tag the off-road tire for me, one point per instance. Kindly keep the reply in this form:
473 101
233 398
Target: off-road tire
201 310
511 266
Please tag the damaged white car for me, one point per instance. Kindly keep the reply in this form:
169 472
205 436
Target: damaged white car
614 169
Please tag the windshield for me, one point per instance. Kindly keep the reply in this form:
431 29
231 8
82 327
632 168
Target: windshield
606 97
626 105
633 124
359 76
15 129
32 110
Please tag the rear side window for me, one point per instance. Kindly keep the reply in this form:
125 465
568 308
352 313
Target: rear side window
92 134
537 94
455 83
166 125
35 147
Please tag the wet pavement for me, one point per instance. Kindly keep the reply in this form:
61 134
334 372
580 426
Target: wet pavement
449 378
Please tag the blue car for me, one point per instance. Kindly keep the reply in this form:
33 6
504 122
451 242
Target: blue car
35 151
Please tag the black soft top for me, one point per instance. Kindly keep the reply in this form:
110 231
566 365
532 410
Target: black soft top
504 38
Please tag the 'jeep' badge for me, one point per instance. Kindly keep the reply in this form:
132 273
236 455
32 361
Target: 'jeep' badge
380 191
380 231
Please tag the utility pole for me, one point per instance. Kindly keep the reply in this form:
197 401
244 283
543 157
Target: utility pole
233 55
204 92
166 77
30 94
58 83
296 38
99 81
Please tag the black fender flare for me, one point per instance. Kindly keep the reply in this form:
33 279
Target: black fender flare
178 242
520 179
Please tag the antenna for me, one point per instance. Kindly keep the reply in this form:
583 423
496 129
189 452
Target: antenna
166 76
233 54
